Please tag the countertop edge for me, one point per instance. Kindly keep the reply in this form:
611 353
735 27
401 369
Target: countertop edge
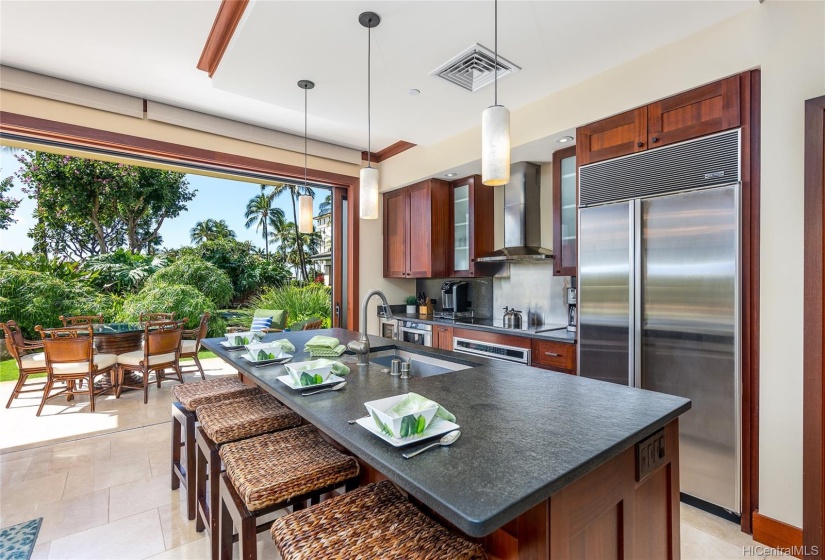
565 339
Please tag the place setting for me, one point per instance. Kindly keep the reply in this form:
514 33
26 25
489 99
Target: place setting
319 376
407 419
275 352
239 340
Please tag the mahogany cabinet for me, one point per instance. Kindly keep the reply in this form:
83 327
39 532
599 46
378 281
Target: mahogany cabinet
416 230
565 201
705 110
558 356
471 225
443 337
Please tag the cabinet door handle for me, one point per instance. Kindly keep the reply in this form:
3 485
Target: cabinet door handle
639 144
654 139
552 354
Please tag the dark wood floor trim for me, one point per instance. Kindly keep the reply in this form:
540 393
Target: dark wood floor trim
388 152
750 92
229 14
776 534
37 130
813 450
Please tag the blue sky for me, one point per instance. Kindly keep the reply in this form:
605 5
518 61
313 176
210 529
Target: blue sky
220 199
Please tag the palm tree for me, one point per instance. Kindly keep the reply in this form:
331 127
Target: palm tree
294 192
292 250
258 212
326 206
209 229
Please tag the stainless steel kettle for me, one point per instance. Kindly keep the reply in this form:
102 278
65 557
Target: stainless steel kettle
512 318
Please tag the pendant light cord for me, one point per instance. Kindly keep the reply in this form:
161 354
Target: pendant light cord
495 49
369 100
305 139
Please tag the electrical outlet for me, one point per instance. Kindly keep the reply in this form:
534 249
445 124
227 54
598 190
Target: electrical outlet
650 454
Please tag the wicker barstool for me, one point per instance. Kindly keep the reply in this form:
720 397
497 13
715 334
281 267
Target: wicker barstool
273 471
190 396
374 521
226 422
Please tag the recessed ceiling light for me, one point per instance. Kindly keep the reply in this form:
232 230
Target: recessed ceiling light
450 174
564 139
414 91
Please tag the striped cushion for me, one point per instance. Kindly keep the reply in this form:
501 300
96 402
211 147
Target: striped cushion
261 323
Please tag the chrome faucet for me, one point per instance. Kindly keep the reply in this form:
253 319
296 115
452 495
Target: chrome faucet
361 347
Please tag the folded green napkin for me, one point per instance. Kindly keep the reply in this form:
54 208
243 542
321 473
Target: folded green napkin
326 352
338 368
321 342
286 346
414 402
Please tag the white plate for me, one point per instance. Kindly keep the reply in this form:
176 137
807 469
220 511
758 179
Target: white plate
438 427
225 344
332 379
283 356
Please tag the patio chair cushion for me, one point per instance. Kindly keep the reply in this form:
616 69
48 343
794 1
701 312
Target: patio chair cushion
102 361
135 357
278 317
33 361
261 323
188 346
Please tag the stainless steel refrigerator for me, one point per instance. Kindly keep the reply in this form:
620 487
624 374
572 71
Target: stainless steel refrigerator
659 294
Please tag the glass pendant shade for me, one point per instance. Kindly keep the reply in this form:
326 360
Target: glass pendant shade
368 200
305 214
495 146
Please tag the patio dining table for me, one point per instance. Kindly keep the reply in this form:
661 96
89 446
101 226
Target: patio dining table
118 338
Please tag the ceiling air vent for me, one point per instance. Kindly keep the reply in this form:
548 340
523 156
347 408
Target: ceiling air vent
472 69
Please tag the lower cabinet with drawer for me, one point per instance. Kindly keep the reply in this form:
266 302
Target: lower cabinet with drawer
559 356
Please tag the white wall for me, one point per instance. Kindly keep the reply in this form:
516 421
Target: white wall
787 41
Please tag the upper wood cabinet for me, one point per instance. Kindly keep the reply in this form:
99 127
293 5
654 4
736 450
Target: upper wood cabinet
471 219
615 136
711 108
698 112
565 196
416 230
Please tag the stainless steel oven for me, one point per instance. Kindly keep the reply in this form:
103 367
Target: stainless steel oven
416 333
492 351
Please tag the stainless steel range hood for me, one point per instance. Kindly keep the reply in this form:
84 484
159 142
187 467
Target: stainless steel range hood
522 218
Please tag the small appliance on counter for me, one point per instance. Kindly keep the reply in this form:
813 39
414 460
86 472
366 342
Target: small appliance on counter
511 319
571 309
454 296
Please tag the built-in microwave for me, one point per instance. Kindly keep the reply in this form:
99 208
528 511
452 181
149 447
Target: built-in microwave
415 333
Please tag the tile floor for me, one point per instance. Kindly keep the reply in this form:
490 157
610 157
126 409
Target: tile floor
101 483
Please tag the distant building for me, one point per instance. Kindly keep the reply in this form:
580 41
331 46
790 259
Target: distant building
323 258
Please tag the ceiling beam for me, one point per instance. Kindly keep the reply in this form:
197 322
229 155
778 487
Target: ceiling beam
229 14
388 152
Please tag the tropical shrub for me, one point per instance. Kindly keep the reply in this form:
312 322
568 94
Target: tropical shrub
121 271
193 271
65 270
301 302
33 298
186 301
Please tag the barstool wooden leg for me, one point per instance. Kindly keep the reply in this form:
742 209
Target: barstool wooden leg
189 450
226 530
177 431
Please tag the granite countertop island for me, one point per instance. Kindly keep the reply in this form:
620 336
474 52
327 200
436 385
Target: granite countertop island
526 433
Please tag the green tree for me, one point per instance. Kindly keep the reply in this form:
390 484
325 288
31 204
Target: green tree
294 192
8 205
121 271
209 229
87 207
259 211
326 205
293 252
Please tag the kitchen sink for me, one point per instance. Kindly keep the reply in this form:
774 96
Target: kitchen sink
420 365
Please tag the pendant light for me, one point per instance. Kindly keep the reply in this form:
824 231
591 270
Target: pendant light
305 201
495 132
368 200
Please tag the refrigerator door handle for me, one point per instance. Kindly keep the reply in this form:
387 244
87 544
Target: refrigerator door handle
636 293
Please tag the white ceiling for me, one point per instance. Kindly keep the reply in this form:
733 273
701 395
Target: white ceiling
150 49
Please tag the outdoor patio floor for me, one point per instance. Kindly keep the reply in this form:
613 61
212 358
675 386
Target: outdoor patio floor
101 482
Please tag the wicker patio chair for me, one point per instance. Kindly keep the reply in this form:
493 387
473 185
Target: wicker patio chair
29 357
71 358
161 351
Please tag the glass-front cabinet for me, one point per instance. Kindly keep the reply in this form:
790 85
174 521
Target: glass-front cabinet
564 212
471 224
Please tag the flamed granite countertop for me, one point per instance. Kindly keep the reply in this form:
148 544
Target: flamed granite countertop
525 432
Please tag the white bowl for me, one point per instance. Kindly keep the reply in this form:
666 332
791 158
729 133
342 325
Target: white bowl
400 425
273 350
307 374
237 339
